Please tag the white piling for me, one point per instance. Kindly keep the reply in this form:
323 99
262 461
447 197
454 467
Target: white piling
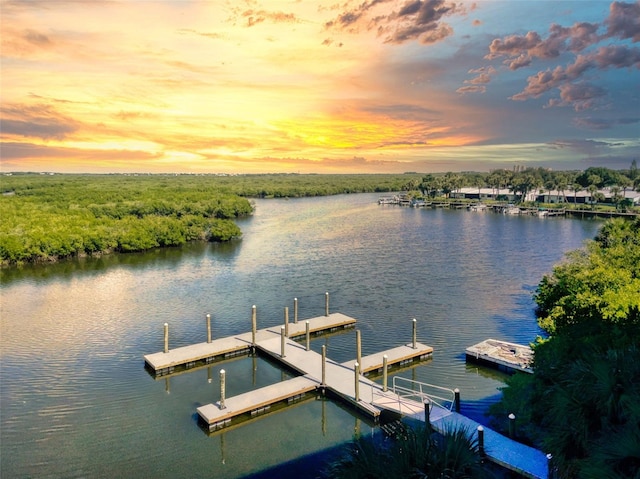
358 347
415 334
326 304
308 334
254 325
282 336
324 364
356 373
222 388
286 321
208 328
385 372
166 337
295 310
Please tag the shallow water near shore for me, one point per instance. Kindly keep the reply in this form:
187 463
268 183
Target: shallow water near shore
76 401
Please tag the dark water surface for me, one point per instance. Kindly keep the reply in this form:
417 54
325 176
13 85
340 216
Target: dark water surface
76 401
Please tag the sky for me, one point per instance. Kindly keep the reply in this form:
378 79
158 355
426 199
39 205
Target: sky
365 86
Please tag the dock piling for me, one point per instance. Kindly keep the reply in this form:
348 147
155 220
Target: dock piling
356 373
222 388
326 303
512 425
308 334
208 328
324 364
358 347
282 337
456 399
481 441
385 372
286 321
295 310
427 414
166 337
254 325
415 333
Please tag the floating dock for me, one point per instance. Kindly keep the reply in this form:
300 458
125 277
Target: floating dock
509 357
347 382
186 357
339 381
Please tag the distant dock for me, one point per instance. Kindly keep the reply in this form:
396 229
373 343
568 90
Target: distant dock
509 357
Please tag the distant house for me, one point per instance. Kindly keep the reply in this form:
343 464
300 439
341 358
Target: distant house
553 196
584 196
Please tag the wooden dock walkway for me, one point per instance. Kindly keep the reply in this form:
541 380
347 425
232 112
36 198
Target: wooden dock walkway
340 380
203 353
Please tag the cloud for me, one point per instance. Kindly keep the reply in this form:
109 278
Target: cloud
603 123
520 51
35 121
419 20
612 56
624 21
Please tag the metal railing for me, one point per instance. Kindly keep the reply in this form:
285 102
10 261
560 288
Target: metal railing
409 392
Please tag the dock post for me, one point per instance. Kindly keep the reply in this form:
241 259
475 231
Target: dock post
456 399
208 328
427 414
286 321
385 371
481 441
324 365
551 471
222 387
415 333
282 336
512 425
356 373
308 333
358 347
295 310
326 303
254 326
166 337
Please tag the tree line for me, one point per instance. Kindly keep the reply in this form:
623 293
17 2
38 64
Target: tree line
522 181
49 217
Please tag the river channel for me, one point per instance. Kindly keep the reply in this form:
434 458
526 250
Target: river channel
76 400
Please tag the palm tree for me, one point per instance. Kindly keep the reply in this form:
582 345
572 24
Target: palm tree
411 452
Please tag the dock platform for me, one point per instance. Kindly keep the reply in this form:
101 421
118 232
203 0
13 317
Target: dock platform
506 356
339 380
204 353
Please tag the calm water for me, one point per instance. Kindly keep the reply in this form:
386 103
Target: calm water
75 398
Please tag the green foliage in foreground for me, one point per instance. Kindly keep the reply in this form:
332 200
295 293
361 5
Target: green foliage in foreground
48 217
582 404
411 453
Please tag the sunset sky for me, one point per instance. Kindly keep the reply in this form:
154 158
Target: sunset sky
371 86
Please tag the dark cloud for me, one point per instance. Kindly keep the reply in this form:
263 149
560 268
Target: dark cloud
419 20
36 121
624 21
520 51
604 123
613 56
24 151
